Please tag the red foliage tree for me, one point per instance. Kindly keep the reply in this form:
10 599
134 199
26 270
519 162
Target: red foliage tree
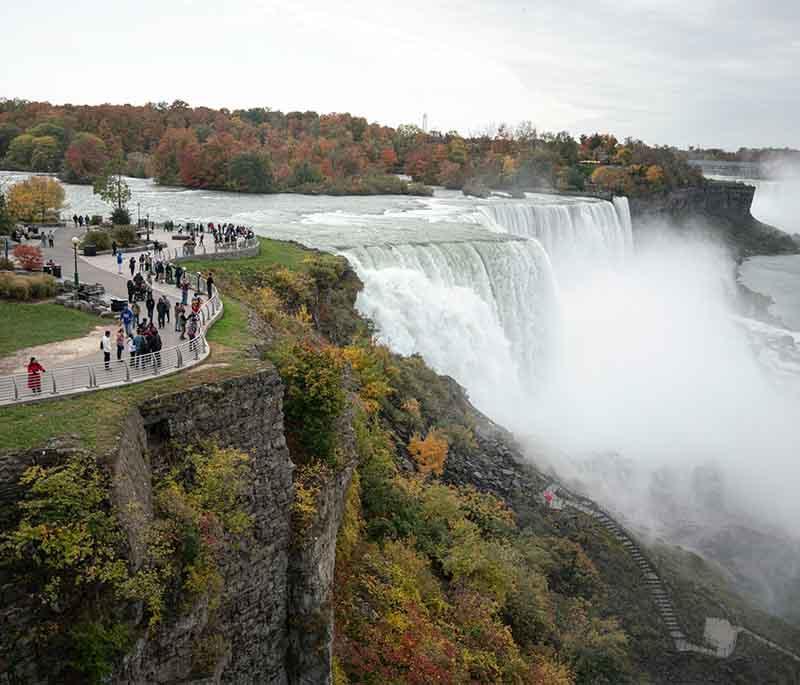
29 257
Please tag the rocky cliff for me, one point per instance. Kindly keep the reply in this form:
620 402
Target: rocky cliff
720 206
271 587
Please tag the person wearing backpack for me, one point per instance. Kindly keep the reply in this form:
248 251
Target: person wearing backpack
119 261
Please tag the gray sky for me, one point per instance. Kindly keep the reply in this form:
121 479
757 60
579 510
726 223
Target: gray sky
703 72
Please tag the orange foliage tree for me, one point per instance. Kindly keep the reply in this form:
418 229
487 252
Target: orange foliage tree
430 453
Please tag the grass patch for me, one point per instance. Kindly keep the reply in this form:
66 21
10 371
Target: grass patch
273 253
95 417
232 329
26 325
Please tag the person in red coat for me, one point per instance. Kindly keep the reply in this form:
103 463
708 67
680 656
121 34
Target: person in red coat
35 369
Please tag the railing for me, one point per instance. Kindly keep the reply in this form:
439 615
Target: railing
201 250
22 387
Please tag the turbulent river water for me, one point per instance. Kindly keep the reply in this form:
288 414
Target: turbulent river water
618 360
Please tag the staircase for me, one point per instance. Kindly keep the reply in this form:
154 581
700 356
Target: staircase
718 632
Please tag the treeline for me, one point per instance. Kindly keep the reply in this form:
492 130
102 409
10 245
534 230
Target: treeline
745 154
262 150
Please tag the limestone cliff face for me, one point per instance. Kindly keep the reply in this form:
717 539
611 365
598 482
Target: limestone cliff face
248 631
274 623
721 206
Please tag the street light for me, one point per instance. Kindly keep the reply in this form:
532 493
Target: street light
148 227
75 242
138 215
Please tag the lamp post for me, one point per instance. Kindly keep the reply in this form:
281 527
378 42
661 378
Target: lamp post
75 242
148 227
6 242
138 215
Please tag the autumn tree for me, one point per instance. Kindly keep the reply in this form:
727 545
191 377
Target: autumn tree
34 198
429 454
85 158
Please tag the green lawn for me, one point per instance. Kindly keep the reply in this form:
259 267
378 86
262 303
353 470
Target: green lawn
272 252
25 325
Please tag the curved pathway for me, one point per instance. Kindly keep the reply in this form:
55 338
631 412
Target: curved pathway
719 634
89 373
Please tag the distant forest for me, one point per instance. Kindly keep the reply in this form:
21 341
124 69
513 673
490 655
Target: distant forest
262 150
746 154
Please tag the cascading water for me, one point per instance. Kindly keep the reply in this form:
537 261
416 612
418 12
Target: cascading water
482 311
586 230
483 308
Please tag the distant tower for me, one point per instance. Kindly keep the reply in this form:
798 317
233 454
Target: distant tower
425 122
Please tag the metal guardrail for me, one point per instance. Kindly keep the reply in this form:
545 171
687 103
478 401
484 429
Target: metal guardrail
21 387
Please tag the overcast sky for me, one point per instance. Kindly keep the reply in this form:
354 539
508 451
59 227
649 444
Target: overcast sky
703 72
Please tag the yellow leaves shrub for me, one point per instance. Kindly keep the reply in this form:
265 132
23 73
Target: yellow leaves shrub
429 453
34 198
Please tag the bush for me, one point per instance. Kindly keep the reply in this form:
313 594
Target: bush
21 287
124 235
6 264
100 239
29 257
314 399
97 219
120 217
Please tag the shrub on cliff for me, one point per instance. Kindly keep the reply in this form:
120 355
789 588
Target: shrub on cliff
314 399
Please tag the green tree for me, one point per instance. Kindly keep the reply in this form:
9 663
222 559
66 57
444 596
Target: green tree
46 154
20 150
251 172
113 189
7 133
6 220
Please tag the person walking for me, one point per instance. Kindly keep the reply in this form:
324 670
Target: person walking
113 248
184 291
132 265
126 317
163 310
51 239
210 284
119 262
191 331
35 369
86 221
178 310
150 303
120 343
105 347
155 348
75 220
136 313
132 350
183 321
138 344
80 221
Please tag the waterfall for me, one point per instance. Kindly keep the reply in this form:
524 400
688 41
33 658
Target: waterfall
586 230
483 312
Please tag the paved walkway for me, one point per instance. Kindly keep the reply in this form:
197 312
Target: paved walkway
103 269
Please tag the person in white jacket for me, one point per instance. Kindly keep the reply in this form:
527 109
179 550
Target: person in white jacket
105 347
